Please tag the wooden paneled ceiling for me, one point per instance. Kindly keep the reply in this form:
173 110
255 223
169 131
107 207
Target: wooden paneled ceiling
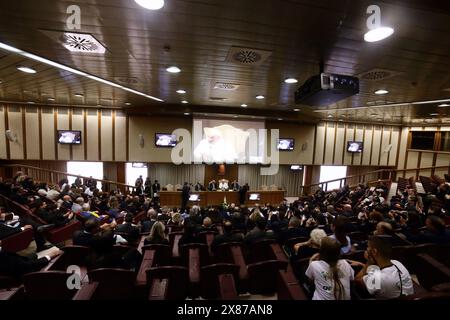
197 36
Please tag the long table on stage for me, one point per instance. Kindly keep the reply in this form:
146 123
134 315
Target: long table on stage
215 198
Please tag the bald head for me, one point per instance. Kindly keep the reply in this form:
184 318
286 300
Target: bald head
383 228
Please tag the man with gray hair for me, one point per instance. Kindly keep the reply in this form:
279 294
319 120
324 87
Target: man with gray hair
77 205
147 224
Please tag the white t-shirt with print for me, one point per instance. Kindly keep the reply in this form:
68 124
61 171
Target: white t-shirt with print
319 272
388 285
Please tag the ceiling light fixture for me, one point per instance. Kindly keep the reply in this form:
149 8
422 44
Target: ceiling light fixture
51 99
280 119
296 110
31 102
330 116
26 69
260 97
186 113
72 70
128 103
181 91
173 69
381 91
184 101
434 114
290 80
440 106
151 4
378 34
79 95
243 105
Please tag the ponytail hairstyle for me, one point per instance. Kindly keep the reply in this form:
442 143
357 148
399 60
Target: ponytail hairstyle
330 252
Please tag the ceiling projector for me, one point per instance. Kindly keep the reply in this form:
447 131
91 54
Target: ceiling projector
325 89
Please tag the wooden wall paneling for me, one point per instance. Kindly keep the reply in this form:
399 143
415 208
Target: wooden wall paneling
329 143
319 145
376 146
395 138
15 124
359 136
92 135
385 141
3 125
32 133
106 135
120 137
350 135
340 144
426 160
367 150
48 134
78 124
442 159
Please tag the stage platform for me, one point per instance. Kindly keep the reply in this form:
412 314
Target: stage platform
215 198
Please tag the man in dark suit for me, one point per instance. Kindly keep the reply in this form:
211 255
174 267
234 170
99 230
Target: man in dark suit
156 187
199 187
258 233
212 185
227 236
130 232
235 186
185 192
13 265
243 193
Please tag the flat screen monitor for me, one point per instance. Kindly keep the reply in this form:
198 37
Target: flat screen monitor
254 197
194 197
69 137
285 144
165 140
354 146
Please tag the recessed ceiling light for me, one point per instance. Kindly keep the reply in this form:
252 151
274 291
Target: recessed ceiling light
374 114
259 97
26 69
290 80
1 81
243 105
31 102
173 69
440 106
181 91
51 99
128 103
280 119
341 120
151 4
296 110
78 95
330 116
186 113
434 114
235 116
381 91
99 105
184 101
378 34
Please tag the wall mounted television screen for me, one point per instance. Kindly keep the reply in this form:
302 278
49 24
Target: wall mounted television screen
194 197
165 140
69 137
354 146
285 144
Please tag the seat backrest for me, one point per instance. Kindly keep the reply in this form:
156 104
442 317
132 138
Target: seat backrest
177 276
262 276
209 278
162 254
72 255
47 285
113 283
18 242
260 251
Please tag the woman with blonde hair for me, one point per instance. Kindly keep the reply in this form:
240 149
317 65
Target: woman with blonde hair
310 247
157 235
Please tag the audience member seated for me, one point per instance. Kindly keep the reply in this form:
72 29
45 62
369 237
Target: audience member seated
330 274
157 235
190 235
382 277
146 225
128 229
227 236
294 230
310 247
340 234
207 225
435 232
258 233
52 215
15 266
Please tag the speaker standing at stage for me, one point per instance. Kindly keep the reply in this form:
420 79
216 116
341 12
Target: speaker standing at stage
243 193
185 192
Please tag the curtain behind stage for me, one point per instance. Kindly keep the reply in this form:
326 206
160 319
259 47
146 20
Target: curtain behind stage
167 173
286 179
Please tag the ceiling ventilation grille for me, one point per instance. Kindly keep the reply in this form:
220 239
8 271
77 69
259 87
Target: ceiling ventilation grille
81 42
247 56
226 86
378 74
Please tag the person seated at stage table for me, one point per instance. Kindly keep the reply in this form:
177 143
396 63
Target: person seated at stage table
212 185
199 187
235 186
223 185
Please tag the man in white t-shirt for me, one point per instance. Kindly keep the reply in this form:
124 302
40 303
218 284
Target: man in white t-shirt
382 277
